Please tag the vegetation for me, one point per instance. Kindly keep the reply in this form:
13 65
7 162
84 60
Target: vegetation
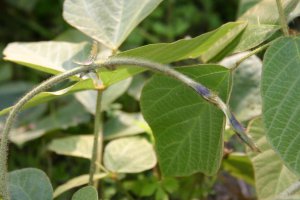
103 119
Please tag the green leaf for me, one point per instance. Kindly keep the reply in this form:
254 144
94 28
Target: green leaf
30 184
129 155
187 129
78 146
280 95
245 98
271 176
109 22
244 5
68 116
205 46
265 12
240 166
48 96
88 192
112 93
76 182
51 57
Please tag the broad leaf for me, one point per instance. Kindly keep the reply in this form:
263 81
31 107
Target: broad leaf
88 192
245 5
68 116
280 95
265 12
78 146
109 22
271 176
129 155
245 99
30 184
51 57
187 129
76 182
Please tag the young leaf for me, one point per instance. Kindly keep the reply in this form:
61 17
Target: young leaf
280 97
76 182
109 22
187 129
30 184
271 176
129 155
86 193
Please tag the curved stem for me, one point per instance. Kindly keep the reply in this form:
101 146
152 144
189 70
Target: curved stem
98 140
282 18
112 62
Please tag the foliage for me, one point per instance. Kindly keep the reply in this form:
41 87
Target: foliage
180 128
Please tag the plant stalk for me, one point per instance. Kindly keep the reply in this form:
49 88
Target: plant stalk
111 63
282 18
98 141
294 188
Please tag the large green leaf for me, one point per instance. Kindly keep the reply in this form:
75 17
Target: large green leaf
86 193
109 22
30 184
129 155
271 176
265 12
76 182
51 57
280 94
187 129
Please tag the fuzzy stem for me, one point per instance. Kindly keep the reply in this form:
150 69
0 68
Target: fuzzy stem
282 18
98 139
112 62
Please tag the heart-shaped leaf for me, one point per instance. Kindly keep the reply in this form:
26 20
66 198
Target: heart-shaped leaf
187 129
109 22
280 95
30 184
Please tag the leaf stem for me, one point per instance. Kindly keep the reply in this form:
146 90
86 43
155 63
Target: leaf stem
282 18
255 51
98 140
112 62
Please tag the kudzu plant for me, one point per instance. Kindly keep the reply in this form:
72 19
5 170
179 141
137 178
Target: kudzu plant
186 107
